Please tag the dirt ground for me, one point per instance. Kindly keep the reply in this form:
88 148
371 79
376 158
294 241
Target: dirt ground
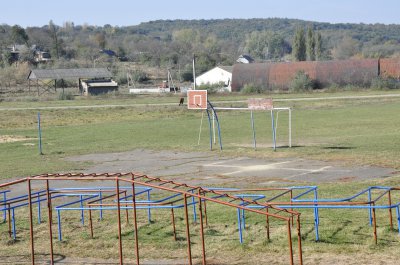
205 169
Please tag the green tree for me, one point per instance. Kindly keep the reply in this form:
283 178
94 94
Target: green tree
56 43
347 48
18 35
318 46
310 45
299 45
101 40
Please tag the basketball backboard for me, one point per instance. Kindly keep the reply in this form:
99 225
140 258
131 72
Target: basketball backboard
197 99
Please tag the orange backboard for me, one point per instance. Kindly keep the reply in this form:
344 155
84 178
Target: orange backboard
197 99
260 103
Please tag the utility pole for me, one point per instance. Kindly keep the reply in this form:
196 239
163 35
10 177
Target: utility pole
194 72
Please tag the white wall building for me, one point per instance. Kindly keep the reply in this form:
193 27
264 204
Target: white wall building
219 74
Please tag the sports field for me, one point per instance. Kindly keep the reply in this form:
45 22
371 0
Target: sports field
342 142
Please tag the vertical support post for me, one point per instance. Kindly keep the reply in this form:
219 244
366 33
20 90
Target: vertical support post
291 197
194 209
290 242
240 227
316 215
135 220
40 135
14 232
243 219
173 221
398 218
370 209
119 222
254 130
4 206
39 209
299 240
50 216
203 247
187 229
101 204
374 221
390 210
213 125
148 209
90 222
82 211
126 208
290 127
59 225
194 72
273 129
31 222
267 217
9 221
211 130
205 212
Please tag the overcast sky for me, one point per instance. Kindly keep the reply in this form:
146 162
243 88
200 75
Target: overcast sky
133 12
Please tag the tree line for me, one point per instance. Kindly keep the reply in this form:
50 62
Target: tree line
172 43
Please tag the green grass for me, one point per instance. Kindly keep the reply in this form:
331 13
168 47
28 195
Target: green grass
355 131
358 132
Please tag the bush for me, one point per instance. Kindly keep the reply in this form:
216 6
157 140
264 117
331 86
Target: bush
385 83
251 89
301 82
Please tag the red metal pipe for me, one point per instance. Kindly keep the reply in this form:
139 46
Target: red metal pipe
31 222
374 221
187 229
290 242
50 214
135 220
119 223
390 210
299 240
202 229
173 222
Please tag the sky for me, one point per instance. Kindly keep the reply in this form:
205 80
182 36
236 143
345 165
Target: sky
133 12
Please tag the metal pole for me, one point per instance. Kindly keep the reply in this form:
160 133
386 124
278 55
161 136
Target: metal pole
202 230
254 130
126 209
316 216
273 130
101 207
390 210
39 209
82 211
173 222
50 214
290 127
31 222
240 227
194 209
148 210
187 229
135 220
267 217
374 219
299 240
4 207
40 135
194 72
9 220
370 209
90 222
14 231
119 222
59 225
290 242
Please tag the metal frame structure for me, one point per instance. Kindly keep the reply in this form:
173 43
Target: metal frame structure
181 193
212 112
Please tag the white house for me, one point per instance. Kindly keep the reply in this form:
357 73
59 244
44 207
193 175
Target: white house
217 75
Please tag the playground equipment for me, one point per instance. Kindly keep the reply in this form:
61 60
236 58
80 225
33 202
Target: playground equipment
179 196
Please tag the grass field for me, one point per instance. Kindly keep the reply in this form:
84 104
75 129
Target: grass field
363 131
